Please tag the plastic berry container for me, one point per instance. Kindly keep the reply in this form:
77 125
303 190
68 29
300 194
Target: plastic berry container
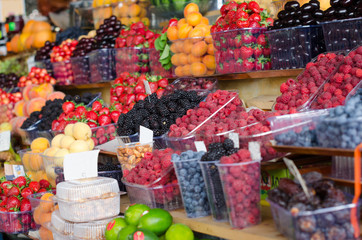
167 197
233 53
101 64
88 199
129 12
181 144
131 154
190 83
63 72
33 164
103 134
314 223
155 65
241 186
132 60
193 57
45 64
194 195
53 168
296 46
81 71
342 34
214 190
17 222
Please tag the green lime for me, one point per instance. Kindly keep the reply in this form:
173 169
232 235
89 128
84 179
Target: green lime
143 234
126 231
179 231
134 213
113 227
156 220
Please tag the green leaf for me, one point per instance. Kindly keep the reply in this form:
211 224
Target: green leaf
166 52
167 66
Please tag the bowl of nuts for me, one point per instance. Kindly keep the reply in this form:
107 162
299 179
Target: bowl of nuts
130 154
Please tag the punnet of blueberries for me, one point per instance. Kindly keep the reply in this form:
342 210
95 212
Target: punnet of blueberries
305 138
322 216
191 183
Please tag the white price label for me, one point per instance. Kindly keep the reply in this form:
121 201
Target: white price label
13 171
254 149
81 165
31 62
5 141
146 135
147 87
235 138
295 172
200 146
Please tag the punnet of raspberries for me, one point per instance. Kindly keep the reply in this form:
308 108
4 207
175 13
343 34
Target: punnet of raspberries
296 93
335 91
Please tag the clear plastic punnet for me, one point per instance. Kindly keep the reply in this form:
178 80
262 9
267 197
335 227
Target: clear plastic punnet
130 154
241 186
33 164
190 83
81 71
101 65
88 199
155 65
63 72
62 226
342 34
305 223
132 60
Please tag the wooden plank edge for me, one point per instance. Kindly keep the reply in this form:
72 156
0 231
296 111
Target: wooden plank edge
315 150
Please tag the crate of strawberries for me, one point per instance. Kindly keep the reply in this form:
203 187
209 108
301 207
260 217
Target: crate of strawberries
240 42
16 214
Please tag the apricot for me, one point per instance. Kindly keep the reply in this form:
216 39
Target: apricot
37 215
134 10
45 234
198 69
19 107
36 162
40 144
199 49
35 104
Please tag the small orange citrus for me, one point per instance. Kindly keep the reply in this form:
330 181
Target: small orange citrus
199 49
172 33
194 18
198 69
191 7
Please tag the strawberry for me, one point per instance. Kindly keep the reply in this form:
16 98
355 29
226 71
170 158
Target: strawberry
261 40
120 42
140 96
230 15
100 132
266 52
247 38
35 186
26 192
138 40
92 124
246 52
13 203
104 120
104 110
42 190
153 86
254 25
163 82
115 115
44 184
129 41
149 34
25 205
91 115
254 7
139 88
5 186
118 106
81 110
242 23
238 42
118 90
96 106
14 191
248 64
236 53
19 181
257 51
68 107
240 13
254 17
160 92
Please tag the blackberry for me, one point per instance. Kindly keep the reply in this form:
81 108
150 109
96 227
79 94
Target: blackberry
185 103
140 105
172 106
108 167
231 151
121 119
154 125
214 146
154 117
164 112
68 98
77 99
165 122
146 124
157 132
228 144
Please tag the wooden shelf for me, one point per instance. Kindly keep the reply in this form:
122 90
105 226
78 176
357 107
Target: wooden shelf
315 151
237 76
264 231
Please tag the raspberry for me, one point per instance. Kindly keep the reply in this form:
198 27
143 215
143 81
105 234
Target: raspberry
338 92
237 185
290 82
348 87
346 68
286 97
284 87
359 73
305 91
327 95
338 77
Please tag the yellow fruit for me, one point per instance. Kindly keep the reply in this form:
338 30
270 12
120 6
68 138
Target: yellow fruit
56 140
50 172
90 143
51 151
66 141
68 130
81 131
61 152
78 146
40 144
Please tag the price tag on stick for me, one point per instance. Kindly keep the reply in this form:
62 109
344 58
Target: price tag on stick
5 141
200 146
235 138
295 172
146 135
147 87
254 149
81 165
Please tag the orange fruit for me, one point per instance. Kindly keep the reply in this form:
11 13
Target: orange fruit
175 60
134 10
179 46
45 234
187 46
47 196
208 38
181 22
37 215
193 59
210 72
45 218
205 20
183 31
199 49
209 61
196 33
186 70
210 49
183 59
173 48
194 18
172 33
179 71
191 7
198 69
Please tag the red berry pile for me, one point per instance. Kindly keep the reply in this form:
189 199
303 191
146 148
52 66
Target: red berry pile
152 167
296 93
335 91
13 198
99 119
241 182
129 89
36 76
64 51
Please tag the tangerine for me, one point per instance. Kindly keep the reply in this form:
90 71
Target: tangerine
181 22
194 18
179 46
183 59
205 20
196 33
183 31
208 38
186 70
193 59
190 8
172 33
187 46
134 10
210 72
198 69
173 48
175 60
199 49
209 61
210 49
178 71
